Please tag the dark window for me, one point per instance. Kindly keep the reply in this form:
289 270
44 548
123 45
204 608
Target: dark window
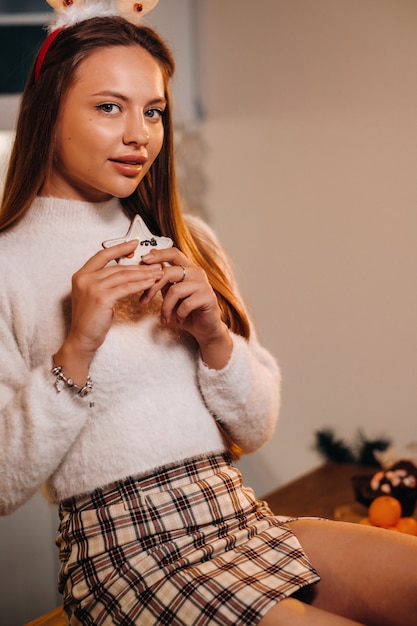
22 31
19 45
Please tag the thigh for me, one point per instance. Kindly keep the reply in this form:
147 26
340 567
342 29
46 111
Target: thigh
367 574
290 612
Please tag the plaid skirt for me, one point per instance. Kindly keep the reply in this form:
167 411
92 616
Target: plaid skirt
188 545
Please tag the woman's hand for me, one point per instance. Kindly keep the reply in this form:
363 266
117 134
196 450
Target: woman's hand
96 288
190 303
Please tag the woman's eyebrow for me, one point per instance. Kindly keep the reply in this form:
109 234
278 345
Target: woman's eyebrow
110 94
120 96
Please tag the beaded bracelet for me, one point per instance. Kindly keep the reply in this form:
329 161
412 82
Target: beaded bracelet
62 381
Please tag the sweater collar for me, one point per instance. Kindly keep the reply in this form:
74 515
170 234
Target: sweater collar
48 212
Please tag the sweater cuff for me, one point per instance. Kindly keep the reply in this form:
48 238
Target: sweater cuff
233 380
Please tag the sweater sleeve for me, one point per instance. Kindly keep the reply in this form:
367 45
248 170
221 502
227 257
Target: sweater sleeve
245 395
37 424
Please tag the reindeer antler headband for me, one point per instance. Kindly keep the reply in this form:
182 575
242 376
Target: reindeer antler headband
69 12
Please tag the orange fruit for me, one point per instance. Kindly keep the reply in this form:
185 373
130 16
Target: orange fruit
384 511
407 525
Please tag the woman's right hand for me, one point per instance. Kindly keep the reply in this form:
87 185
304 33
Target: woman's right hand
96 288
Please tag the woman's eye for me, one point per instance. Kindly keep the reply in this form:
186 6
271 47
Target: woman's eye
109 107
154 114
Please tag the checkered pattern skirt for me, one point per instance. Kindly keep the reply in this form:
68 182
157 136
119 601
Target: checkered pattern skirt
188 545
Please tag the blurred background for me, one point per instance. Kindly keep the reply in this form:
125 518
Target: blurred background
297 142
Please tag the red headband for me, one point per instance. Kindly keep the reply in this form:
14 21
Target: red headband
44 50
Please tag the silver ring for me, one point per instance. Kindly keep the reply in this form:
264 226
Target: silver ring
184 274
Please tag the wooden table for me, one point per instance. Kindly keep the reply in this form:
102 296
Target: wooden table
323 492
53 618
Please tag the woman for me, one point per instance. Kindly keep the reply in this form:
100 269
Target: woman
127 388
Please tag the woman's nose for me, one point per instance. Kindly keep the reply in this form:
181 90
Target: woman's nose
136 131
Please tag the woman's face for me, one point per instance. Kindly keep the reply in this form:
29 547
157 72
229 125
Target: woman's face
109 129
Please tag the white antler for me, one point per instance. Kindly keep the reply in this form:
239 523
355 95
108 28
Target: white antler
132 10
63 4
68 12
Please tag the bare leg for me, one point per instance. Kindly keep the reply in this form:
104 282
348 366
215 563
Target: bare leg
368 574
290 612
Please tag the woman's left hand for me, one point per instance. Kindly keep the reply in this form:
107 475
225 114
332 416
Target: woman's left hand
190 303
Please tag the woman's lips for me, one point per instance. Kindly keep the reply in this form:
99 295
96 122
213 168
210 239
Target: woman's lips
128 166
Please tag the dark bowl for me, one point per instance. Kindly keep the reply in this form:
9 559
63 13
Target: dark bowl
406 495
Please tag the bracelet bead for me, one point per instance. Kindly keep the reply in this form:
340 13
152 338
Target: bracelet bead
61 381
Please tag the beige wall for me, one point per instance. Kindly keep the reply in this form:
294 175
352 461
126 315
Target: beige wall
311 145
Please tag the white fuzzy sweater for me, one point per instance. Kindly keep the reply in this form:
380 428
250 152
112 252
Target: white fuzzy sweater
156 402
